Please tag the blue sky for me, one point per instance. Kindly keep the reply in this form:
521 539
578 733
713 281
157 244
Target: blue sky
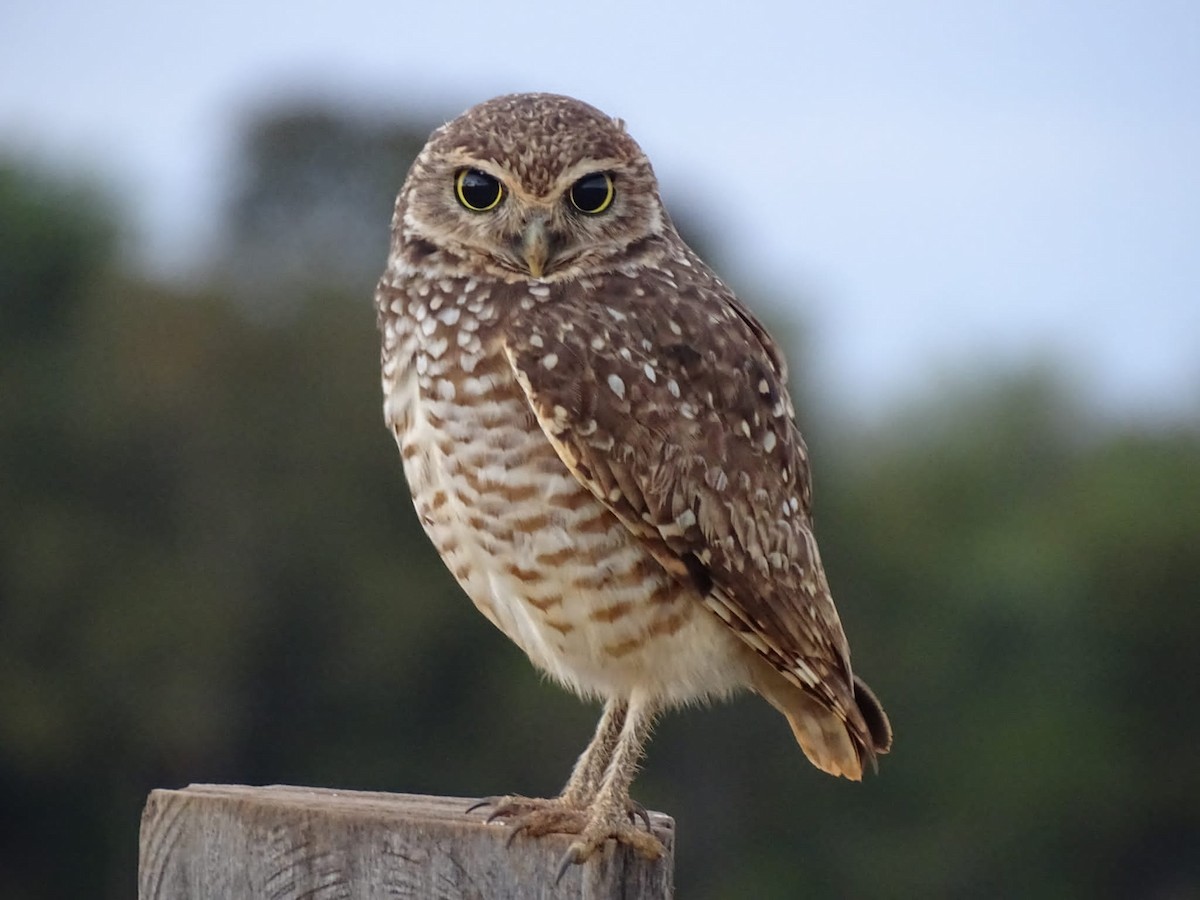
930 187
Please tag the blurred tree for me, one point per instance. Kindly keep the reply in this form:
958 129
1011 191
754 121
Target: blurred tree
54 237
310 202
1020 574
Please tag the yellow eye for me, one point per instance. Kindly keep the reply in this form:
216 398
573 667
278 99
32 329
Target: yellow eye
592 193
477 191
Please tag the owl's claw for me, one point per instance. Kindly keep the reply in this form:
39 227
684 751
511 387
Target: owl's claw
596 832
517 807
480 804
534 817
568 859
637 811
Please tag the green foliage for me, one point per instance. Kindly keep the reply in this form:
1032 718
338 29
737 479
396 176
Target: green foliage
54 236
1027 577
310 201
210 571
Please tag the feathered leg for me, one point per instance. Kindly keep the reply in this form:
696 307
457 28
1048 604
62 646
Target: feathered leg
592 763
608 815
566 813
595 803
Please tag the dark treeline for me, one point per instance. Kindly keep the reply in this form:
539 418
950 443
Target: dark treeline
210 571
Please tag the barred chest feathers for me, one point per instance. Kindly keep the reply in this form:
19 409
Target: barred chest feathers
536 552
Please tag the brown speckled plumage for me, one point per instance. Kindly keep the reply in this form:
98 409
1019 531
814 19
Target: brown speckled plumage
599 441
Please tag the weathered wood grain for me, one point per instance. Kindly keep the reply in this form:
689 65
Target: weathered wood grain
211 841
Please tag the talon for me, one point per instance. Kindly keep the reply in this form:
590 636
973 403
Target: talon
508 806
533 818
637 811
570 858
480 804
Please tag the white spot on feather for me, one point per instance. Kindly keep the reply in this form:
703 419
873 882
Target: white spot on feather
806 674
755 641
721 610
477 387
616 385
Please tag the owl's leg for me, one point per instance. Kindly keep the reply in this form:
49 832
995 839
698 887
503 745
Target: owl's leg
608 815
595 803
568 811
593 762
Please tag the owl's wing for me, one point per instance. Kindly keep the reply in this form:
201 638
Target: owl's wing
669 403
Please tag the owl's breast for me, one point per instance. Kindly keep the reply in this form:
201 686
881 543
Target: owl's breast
538 554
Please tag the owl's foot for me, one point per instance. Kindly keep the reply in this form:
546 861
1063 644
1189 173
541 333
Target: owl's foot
515 806
620 827
534 817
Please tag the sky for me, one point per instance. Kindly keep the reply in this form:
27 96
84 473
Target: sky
932 188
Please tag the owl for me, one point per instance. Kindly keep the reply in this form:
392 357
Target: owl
599 441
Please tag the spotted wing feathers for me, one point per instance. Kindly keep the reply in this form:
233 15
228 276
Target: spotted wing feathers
671 407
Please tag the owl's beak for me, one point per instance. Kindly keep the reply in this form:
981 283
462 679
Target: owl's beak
535 246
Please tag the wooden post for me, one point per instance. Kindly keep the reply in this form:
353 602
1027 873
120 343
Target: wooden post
211 841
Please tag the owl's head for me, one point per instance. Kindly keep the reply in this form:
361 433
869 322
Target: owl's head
532 186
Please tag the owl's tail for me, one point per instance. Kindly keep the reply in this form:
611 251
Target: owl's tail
832 744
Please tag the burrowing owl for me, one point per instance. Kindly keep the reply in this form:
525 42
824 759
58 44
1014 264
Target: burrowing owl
600 443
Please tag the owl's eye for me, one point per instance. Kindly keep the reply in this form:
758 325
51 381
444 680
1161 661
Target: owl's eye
592 193
477 191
